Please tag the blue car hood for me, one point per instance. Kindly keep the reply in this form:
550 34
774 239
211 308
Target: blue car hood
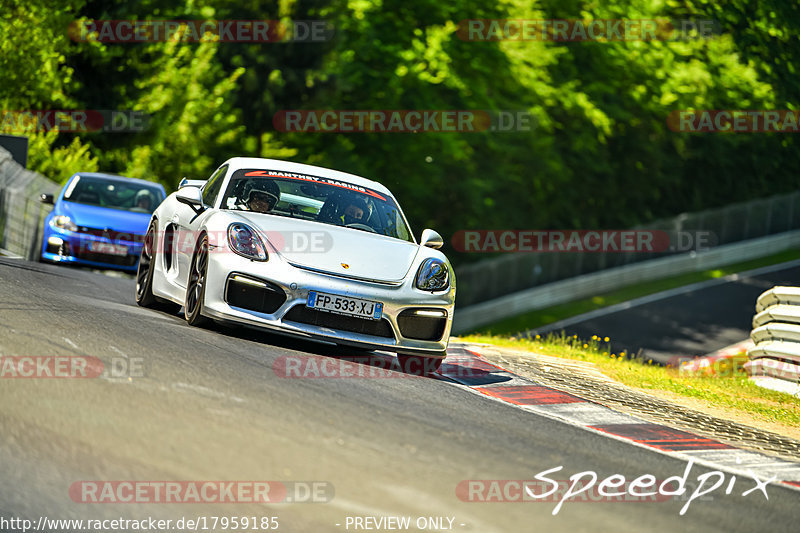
94 216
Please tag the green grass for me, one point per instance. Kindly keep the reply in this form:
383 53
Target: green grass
542 317
734 393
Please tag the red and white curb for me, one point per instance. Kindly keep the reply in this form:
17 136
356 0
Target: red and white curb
468 369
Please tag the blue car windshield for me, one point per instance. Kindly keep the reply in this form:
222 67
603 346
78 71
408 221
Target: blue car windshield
115 194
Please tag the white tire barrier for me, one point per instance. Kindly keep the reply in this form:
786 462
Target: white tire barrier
776 332
774 361
778 295
781 313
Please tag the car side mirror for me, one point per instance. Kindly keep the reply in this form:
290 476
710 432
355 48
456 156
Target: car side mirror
47 198
186 182
191 196
431 239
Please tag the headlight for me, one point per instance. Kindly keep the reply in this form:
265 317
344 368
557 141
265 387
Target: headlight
64 222
245 242
433 275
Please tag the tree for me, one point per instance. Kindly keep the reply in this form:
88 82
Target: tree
34 65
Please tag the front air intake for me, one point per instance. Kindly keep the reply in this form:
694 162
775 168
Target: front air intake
254 294
422 324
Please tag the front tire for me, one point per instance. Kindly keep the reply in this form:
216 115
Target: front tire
144 276
418 365
196 288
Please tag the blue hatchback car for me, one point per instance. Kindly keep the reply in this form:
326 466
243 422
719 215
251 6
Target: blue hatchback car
99 220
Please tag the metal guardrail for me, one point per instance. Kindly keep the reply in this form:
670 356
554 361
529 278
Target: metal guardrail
495 277
774 361
469 318
21 212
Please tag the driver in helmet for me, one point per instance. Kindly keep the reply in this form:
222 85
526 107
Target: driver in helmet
263 197
143 200
355 211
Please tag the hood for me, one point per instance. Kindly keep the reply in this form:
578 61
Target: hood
324 247
93 216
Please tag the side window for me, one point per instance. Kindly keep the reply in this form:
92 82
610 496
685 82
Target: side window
214 185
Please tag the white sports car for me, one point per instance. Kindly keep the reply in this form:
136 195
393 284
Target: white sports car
301 250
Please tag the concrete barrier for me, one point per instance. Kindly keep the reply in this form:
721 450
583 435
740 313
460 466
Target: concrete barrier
21 212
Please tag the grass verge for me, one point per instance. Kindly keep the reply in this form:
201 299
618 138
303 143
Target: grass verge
542 317
734 394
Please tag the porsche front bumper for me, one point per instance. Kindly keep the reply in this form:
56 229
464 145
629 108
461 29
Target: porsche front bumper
409 323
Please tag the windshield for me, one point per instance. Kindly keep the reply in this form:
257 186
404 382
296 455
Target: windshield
314 198
127 196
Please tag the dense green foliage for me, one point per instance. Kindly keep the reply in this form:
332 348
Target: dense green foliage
601 154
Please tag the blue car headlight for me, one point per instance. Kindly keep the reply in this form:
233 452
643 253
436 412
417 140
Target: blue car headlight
64 222
244 241
433 275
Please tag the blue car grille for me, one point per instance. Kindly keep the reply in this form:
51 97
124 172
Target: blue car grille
112 235
120 260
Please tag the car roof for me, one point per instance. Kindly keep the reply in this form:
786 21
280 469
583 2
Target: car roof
116 177
238 163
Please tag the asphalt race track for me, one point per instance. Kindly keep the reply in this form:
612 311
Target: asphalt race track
207 404
694 322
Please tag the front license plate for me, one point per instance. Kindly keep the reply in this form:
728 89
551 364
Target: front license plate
107 248
344 305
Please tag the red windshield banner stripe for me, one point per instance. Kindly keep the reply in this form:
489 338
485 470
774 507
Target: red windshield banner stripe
320 180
